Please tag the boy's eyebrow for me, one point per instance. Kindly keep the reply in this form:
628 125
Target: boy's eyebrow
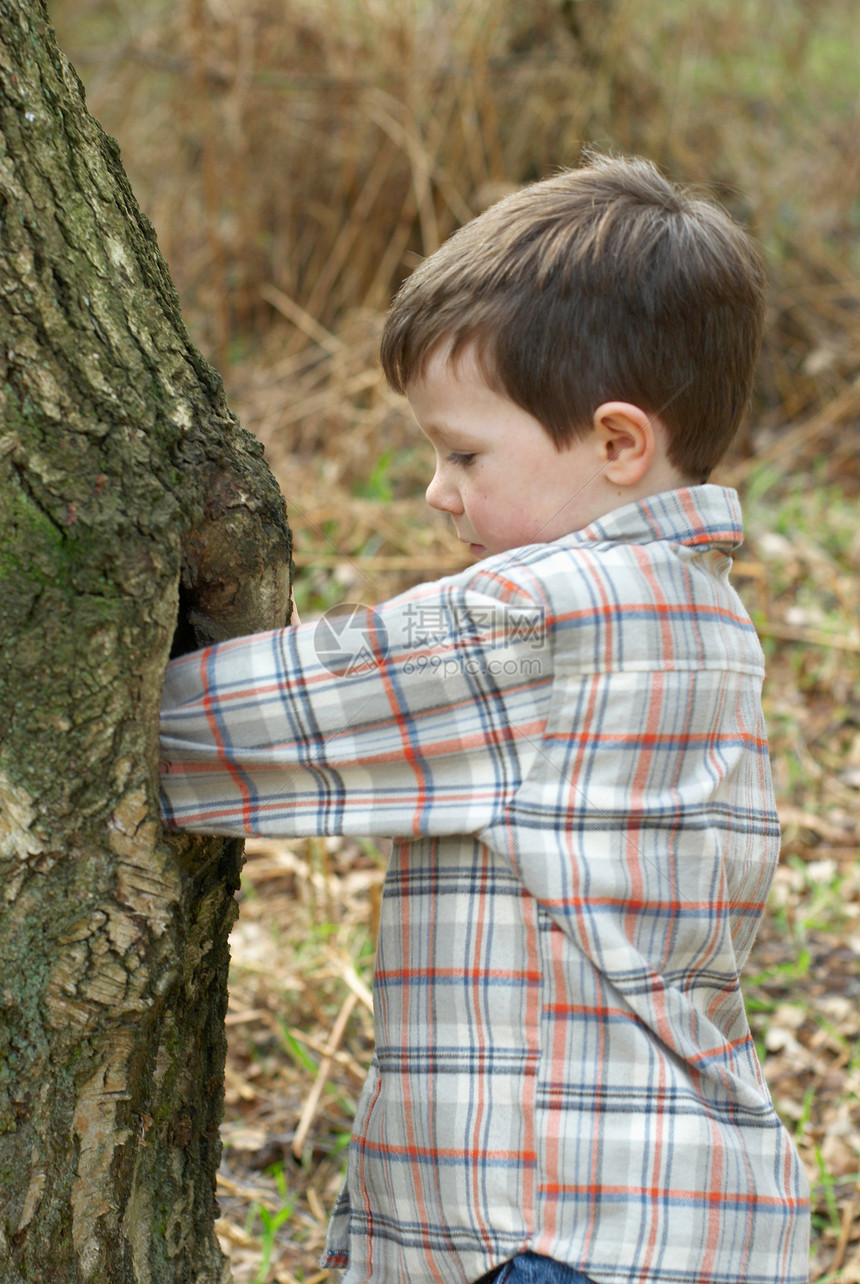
449 434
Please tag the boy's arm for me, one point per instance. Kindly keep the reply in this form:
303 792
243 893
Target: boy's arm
411 718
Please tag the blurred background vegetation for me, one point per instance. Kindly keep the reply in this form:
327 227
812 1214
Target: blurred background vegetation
297 158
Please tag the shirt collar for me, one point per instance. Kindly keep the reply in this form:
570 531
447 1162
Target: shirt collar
694 515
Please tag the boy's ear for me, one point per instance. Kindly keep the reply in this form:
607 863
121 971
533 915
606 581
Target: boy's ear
627 441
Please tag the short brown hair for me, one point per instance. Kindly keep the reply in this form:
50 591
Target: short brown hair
601 283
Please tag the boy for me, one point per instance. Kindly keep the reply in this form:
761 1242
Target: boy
568 739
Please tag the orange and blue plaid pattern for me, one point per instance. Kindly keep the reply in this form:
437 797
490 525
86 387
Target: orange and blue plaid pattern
569 741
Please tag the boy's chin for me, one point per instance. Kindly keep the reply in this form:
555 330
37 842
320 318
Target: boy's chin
478 551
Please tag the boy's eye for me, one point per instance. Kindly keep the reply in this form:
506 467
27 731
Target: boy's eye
461 458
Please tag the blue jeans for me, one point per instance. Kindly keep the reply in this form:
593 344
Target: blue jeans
531 1268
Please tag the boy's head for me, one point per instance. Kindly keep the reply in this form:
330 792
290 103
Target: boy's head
606 283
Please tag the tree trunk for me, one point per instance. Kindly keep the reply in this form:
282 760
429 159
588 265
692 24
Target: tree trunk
130 502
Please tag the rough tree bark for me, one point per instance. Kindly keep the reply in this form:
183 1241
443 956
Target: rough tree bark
129 500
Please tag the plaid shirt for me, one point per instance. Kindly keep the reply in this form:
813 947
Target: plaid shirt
569 740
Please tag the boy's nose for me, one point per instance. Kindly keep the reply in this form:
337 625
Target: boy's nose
442 496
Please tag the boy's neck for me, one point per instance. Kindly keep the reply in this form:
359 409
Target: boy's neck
661 477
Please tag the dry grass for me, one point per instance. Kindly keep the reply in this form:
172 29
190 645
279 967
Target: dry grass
296 156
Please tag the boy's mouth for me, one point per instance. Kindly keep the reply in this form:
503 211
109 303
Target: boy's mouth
476 549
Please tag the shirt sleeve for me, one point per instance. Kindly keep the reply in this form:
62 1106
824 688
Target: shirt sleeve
417 717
